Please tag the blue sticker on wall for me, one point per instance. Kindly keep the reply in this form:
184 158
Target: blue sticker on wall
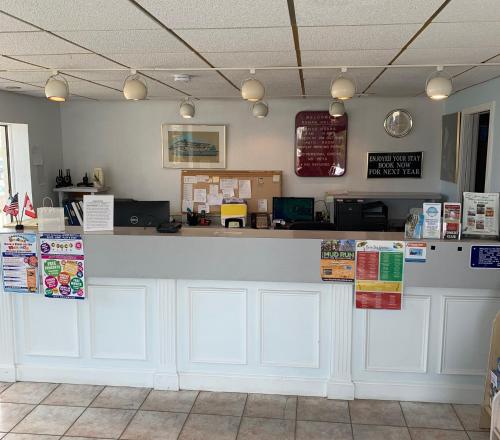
485 257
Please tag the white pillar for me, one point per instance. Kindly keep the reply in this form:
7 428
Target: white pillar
7 360
340 385
166 376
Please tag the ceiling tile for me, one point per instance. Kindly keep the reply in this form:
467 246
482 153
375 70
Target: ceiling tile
347 57
360 12
202 85
459 35
67 15
9 24
318 81
356 37
158 59
475 76
404 81
7 63
193 14
449 55
131 41
29 77
278 83
8 85
95 91
239 40
34 43
69 61
251 59
467 10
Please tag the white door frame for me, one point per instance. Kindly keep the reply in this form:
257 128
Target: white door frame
487 106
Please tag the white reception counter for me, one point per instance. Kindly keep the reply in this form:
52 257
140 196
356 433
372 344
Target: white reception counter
247 311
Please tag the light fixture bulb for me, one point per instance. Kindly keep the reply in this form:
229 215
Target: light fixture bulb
337 109
56 88
343 87
260 109
187 109
439 85
134 88
252 90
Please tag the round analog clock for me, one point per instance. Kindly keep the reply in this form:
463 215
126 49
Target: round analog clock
398 123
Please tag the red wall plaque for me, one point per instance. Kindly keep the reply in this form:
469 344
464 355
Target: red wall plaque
320 144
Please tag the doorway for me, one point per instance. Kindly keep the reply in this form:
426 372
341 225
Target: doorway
476 140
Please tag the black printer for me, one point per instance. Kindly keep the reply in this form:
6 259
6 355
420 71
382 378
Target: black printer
358 215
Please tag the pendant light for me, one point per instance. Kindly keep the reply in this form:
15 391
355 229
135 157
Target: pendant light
260 109
134 87
56 88
337 108
343 87
438 86
252 89
187 109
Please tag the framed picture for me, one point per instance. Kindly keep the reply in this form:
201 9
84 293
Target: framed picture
193 146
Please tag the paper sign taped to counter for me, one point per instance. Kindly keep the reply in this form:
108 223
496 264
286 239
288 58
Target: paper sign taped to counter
19 263
338 260
200 195
98 213
416 252
245 189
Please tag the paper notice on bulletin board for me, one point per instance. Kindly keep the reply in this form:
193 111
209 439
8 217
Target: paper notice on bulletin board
19 263
379 274
63 265
338 260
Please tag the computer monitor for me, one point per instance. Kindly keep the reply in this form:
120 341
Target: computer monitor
293 209
136 213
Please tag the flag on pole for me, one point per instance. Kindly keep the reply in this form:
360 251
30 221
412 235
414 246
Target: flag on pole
28 207
12 206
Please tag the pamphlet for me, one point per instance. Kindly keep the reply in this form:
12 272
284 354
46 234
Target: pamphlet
415 252
480 214
63 265
338 260
452 213
379 274
432 220
19 263
98 212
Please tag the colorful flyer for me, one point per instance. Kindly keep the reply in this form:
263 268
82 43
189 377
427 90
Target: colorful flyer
480 214
452 213
63 265
19 263
415 252
379 274
338 260
432 220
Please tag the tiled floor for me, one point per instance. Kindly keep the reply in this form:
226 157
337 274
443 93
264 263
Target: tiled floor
42 411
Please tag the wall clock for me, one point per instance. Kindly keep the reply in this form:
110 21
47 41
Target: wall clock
398 123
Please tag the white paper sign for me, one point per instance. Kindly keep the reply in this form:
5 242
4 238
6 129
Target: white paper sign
432 220
98 213
200 195
245 189
262 205
202 179
214 189
214 199
188 191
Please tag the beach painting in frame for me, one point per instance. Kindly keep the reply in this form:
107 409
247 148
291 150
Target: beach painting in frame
193 146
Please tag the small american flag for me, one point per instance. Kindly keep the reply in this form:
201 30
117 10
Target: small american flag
12 206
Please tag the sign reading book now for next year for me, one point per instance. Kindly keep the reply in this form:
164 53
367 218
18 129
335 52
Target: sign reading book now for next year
387 165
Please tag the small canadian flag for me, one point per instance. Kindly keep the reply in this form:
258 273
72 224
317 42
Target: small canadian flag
28 207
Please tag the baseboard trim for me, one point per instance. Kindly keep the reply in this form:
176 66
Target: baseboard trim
420 392
7 373
91 376
253 384
340 390
166 381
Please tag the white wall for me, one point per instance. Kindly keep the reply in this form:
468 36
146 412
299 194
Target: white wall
124 139
44 130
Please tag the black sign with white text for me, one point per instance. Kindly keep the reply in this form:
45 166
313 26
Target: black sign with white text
384 165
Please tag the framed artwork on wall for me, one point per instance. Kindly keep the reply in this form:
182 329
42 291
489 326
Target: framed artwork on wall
193 146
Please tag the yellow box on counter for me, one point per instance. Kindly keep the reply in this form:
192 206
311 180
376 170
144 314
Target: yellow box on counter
233 211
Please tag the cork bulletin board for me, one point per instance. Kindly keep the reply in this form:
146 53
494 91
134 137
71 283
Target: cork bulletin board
261 186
